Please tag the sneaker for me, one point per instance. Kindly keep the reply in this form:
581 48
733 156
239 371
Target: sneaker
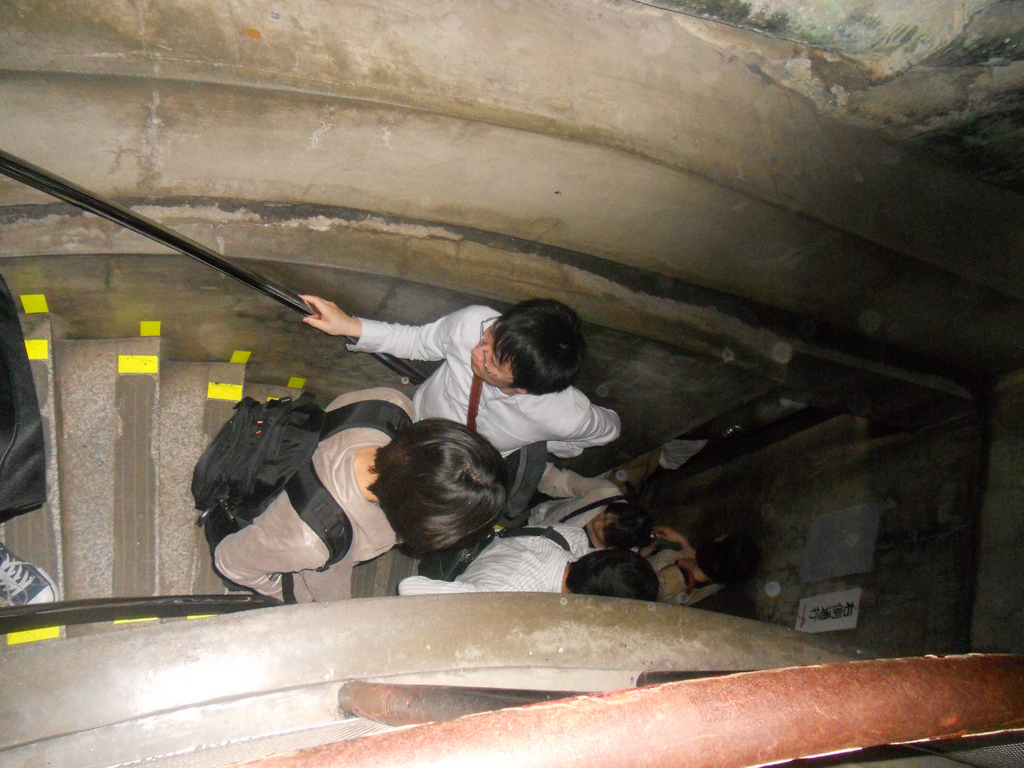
22 583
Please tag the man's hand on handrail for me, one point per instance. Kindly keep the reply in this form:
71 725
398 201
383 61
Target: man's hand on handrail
330 319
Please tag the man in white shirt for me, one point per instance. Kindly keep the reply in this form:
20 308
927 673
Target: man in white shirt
559 561
525 360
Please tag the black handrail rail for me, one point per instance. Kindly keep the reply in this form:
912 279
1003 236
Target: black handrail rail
74 612
51 184
41 179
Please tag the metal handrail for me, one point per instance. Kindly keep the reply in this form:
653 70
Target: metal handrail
74 612
733 721
45 181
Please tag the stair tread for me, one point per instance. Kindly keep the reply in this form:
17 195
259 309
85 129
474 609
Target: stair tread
379 577
188 421
108 478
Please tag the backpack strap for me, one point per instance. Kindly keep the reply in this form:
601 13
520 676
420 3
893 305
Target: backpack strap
449 564
523 471
314 504
548 533
318 509
592 505
382 415
288 588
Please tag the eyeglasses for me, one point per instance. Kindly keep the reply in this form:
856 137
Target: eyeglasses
486 345
484 325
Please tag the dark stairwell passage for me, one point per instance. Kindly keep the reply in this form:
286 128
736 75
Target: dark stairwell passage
132 533
130 432
748 217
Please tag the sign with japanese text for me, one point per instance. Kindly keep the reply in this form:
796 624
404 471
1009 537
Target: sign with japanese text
825 613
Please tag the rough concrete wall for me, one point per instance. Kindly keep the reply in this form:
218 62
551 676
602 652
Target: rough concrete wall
944 75
327 102
998 625
916 599
644 140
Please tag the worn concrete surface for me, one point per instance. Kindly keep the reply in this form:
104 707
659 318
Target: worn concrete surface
183 565
220 660
998 619
97 477
917 597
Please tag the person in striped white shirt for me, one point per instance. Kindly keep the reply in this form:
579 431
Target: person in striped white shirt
557 560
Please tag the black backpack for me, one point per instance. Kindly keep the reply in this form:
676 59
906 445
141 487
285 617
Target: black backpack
266 449
523 471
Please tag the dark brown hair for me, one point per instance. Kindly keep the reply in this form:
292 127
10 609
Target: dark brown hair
438 484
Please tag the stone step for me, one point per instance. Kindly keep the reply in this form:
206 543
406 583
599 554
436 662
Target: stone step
379 577
195 401
107 393
36 536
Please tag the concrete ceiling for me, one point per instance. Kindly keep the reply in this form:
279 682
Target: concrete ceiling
815 201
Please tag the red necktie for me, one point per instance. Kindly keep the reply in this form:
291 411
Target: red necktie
474 402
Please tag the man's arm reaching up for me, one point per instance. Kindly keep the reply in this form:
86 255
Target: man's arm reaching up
331 319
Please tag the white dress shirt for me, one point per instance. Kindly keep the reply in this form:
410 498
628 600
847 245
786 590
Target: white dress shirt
571 491
513 564
567 420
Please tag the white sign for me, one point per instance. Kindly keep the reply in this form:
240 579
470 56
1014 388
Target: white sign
825 613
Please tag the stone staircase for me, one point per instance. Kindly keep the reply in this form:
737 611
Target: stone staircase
124 427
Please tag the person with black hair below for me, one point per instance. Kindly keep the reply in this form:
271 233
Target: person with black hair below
434 485
688 574
610 518
508 376
560 560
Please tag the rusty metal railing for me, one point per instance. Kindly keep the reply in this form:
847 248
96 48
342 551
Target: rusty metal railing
736 721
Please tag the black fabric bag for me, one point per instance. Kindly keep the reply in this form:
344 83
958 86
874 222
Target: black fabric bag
449 564
523 471
22 453
254 454
266 449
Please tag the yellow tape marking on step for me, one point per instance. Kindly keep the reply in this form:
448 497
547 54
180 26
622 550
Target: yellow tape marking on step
149 328
34 303
133 621
38 349
296 383
240 356
231 392
31 635
138 364
201 616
